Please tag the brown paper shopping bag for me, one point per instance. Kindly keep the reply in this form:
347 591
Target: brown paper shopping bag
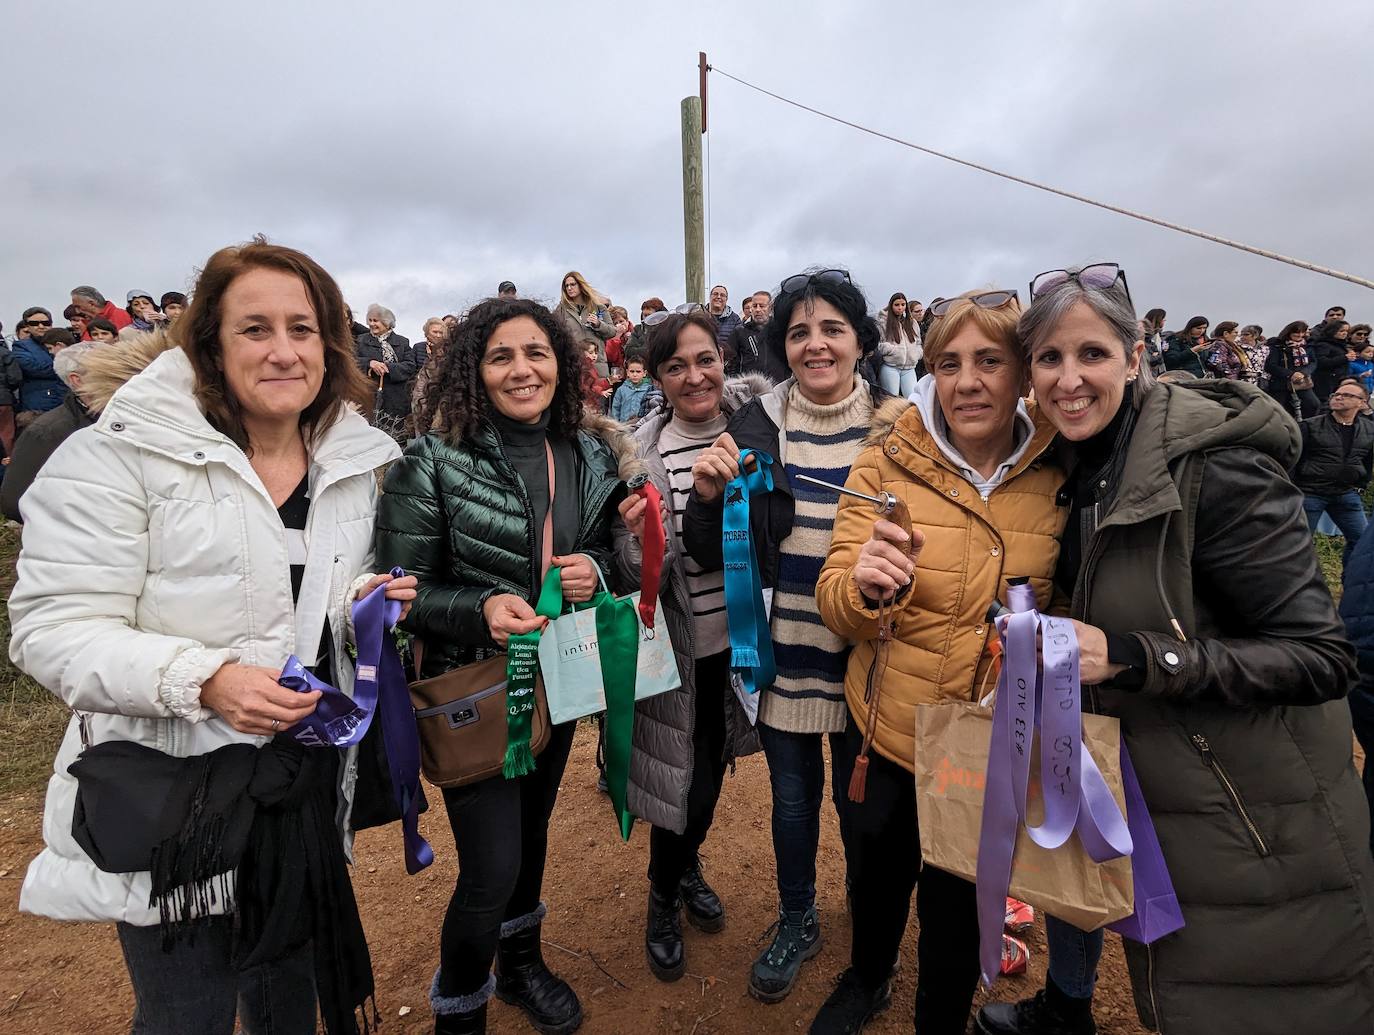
951 764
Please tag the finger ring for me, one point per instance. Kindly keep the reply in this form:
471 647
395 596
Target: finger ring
276 725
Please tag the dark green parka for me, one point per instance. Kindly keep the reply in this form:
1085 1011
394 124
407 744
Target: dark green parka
1239 736
456 516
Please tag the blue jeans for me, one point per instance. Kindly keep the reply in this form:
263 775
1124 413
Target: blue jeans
1073 957
796 769
900 383
1346 509
196 986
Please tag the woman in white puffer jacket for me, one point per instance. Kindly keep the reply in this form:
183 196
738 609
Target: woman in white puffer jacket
217 519
899 347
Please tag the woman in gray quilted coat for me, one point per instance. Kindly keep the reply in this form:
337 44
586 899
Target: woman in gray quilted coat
684 739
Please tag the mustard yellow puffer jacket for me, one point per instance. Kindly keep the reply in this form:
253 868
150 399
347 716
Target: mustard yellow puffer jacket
972 547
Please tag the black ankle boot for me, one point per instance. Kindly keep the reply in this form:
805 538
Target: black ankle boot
471 1022
460 1014
663 937
523 980
704 909
1048 1012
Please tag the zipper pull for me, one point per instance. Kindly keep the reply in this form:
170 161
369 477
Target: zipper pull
1204 749
81 728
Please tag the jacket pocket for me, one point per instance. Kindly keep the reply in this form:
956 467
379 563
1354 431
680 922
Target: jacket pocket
1210 760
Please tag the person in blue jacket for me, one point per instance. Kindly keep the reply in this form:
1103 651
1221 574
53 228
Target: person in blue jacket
1357 610
42 390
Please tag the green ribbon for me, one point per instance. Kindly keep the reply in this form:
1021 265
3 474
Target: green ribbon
522 667
617 637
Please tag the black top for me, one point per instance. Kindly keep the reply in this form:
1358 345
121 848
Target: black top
1093 470
295 515
524 446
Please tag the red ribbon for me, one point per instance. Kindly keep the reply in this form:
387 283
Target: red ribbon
652 546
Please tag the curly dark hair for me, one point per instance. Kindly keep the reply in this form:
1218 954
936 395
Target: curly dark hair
843 295
457 397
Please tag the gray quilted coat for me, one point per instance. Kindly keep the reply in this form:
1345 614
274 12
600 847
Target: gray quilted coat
661 764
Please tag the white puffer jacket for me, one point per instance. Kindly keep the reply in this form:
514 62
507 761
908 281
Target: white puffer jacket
153 555
905 351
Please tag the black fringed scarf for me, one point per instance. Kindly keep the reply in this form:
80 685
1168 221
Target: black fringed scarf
265 815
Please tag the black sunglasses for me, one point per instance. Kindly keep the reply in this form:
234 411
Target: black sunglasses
984 300
655 318
801 281
38 323
1100 275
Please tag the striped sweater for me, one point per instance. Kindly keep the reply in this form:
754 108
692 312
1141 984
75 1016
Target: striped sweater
823 442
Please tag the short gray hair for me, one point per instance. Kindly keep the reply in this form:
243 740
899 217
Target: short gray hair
382 313
433 320
86 291
68 361
1112 304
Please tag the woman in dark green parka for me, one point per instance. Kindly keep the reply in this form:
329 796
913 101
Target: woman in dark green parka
464 511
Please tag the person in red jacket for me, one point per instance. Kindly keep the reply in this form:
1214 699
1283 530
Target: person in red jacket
95 305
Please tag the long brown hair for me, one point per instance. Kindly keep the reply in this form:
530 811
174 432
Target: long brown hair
197 334
895 322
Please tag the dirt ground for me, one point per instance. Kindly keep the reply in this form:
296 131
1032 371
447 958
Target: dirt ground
59 978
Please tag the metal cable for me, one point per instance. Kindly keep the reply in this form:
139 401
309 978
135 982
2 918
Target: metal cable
1216 239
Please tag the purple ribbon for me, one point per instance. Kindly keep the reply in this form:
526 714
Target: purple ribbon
1038 692
341 721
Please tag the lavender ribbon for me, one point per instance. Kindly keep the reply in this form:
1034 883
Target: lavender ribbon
340 721
1038 694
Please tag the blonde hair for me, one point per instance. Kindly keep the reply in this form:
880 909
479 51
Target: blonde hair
590 296
998 324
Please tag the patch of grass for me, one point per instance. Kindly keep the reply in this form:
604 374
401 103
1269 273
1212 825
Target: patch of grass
1329 551
31 719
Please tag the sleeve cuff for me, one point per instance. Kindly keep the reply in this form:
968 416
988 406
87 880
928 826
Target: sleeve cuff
183 678
349 596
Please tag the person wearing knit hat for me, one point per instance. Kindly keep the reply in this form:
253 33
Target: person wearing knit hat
143 311
173 304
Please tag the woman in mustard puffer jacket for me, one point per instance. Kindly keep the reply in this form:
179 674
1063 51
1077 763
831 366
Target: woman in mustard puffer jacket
968 461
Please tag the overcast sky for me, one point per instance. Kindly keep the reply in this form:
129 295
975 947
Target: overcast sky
424 151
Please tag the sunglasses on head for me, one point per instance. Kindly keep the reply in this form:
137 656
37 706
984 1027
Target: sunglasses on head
983 300
1100 275
653 319
801 281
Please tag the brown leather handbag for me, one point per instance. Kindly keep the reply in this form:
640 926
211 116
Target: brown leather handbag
461 714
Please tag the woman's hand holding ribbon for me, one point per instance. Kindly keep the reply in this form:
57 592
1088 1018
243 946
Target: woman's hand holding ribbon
508 615
579 576
402 589
883 567
249 698
715 465
1093 666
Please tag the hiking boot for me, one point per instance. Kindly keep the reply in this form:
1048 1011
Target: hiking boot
796 938
524 980
1015 956
850 1006
1048 1012
704 910
663 937
1020 917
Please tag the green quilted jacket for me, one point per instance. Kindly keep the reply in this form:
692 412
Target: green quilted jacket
457 517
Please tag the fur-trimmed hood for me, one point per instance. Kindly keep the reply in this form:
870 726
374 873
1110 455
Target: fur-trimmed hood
884 418
106 368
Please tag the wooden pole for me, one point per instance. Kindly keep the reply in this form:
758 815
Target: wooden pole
693 209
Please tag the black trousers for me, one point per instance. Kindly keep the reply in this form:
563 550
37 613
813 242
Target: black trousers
672 855
501 830
883 853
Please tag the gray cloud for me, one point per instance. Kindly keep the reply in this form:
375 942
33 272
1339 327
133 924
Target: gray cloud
427 152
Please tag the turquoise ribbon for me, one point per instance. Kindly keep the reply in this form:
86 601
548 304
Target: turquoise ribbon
751 644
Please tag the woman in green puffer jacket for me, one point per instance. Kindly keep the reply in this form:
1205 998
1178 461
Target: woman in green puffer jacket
464 511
